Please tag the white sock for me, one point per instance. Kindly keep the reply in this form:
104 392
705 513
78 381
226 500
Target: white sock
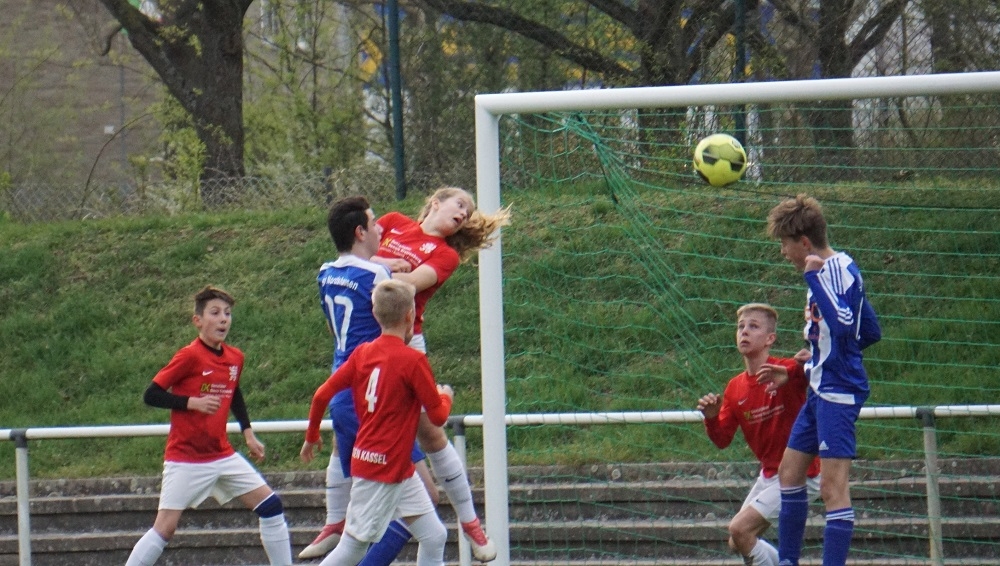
432 535
450 473
274 536
147 550
349 552
338 491
763 554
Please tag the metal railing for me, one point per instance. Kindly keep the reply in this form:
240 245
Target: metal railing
926 415
41 202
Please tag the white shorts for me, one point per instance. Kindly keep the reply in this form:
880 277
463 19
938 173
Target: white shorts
187 484
765 495
418 343
375 504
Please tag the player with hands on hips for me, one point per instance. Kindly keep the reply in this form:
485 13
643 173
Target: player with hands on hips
762 402
391 384
200 386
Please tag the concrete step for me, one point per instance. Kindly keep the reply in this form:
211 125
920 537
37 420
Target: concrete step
219 546
679 499
190 547
576 539
578 516
699 498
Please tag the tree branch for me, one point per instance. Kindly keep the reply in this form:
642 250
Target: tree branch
129 17
707 26
617 11
18 78
792 18
656 20
873 31
109 38
541 34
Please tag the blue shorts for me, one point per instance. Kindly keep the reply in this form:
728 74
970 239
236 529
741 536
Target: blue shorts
825 428
345 430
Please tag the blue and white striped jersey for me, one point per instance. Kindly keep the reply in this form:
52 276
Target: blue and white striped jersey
840 322
345 292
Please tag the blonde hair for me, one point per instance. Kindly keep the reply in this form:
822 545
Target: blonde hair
767 310
477 232
797 217
391 300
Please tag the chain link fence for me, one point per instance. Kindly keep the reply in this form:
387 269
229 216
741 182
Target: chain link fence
37 202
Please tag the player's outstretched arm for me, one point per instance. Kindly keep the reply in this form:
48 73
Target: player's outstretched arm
340 380
395 264
423 277
438 412
446 390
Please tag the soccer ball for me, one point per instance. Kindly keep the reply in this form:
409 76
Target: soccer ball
720 160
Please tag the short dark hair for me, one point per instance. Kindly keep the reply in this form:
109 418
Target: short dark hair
345 215
207 294
797 217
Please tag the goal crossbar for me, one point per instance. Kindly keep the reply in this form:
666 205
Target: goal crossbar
488 110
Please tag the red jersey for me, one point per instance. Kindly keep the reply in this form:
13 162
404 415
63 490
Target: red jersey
403 238
765 418
390 382
197 370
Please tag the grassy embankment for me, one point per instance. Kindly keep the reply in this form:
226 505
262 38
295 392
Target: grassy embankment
89 311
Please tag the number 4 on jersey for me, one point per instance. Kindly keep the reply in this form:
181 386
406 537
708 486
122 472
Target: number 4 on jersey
370 395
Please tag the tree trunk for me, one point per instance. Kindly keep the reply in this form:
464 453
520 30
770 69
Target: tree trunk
947 59
830 120
197 50
833 138
217 105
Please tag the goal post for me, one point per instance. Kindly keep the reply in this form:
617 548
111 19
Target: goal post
491 324
491 108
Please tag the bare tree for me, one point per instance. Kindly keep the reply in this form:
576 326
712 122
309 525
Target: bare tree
674 40
196 48
672 36
842 32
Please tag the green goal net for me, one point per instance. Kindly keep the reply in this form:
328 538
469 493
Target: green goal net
625 300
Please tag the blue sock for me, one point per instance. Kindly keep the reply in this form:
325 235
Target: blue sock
792 524
383 552
837 536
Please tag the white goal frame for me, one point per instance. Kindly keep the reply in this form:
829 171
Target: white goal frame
489 109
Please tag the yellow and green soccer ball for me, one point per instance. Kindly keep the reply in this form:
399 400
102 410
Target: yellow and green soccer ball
720 160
